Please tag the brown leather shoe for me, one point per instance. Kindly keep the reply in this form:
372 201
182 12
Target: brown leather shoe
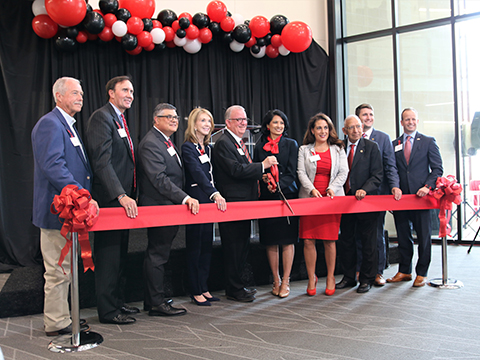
379 280
400 277
420 281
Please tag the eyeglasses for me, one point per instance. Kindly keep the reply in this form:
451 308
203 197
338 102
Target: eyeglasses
354 127
169 117
241 119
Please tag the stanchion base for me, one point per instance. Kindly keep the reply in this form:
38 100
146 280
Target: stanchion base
450 284
63 343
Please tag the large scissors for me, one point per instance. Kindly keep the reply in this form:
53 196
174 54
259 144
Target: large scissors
276 184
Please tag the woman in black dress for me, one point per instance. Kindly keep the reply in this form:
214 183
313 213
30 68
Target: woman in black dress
281 232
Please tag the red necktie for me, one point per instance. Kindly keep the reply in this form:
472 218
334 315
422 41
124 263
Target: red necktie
245 151
131 149
364 135
408 149
350 161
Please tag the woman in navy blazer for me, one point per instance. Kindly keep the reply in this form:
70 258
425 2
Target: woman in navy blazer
196 154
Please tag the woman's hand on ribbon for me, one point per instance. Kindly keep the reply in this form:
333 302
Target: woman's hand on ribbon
315 193
221 202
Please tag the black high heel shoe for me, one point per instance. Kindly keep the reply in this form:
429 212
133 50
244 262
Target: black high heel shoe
200 303
213 298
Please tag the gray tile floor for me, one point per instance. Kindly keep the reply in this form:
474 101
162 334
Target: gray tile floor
393 322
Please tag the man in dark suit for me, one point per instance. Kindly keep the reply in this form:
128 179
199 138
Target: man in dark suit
419 165
365 177
236 178
160 177
390 184
109 143
60 160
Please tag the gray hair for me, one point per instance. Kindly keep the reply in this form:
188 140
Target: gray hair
231 108
160 107
60 86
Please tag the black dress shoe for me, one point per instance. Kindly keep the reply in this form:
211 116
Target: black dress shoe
127 309
166 309
363 288
251 291
345 283
67 330
120 319
241 296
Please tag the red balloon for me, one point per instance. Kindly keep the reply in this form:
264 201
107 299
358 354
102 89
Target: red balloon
169 34
149 47
271 51
92 37
260 26
175 26
139 8
118 38
205 35
187 15
144 39
216 11
135 25
109 19
251 42
106 34
170 44
296 36
135 51
276 40
66 12
192 32
44 26
82 37
98 11
227 24
156 24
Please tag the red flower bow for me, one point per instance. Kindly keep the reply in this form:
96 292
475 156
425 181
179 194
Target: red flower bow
448 192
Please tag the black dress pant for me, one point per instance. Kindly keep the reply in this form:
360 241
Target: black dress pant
199 239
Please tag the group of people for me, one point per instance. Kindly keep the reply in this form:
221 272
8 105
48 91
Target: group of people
118 173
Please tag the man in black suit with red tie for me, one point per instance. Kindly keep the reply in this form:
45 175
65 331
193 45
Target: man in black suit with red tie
365 177
160 177
236 177
110 146
419 165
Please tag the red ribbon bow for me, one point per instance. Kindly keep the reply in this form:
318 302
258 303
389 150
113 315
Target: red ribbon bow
80 215
448 192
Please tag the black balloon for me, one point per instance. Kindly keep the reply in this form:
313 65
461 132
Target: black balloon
255 49
123 14
277 23
227 37
160 47
72 32
229 14
247 22
215 28
89 8
261 41
65 43
181 33
93 22
129 42
184 23
268 39
242 33
108 6
166 17
147 24
201 20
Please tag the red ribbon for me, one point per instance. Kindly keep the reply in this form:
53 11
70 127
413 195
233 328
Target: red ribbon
80 215
447 192
272 145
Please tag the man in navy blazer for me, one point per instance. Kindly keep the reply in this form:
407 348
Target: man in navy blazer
419 165
160 177
390 184
365 177
236 177
60 159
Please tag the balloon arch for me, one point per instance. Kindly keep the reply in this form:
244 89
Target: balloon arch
130 22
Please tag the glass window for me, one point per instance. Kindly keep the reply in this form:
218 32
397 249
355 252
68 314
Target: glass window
466 7
363 16
415 11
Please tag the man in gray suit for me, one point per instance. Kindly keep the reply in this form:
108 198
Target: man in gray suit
160 176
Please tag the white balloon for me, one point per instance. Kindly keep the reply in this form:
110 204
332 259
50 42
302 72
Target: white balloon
158 35
236 46
119 28
192 46
180 41
260 54
38 7
238 19
283 50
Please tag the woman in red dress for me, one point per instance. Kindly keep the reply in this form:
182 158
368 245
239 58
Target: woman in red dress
322 171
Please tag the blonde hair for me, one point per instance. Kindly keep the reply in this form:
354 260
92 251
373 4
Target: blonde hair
192 119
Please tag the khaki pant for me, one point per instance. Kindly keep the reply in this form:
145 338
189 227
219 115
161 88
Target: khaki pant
56 312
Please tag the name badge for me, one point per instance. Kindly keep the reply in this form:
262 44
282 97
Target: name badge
398 147
314 158
240 151
204 158
75 141
171 151
122 133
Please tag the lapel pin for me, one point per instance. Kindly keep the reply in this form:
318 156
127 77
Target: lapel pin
361 151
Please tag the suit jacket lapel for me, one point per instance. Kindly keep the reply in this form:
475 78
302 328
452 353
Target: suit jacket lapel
117 122
237 146
358 153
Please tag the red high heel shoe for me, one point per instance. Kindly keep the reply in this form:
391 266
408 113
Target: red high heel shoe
329 292
312 292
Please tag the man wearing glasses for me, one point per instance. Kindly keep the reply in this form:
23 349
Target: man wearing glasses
236 178
160 176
